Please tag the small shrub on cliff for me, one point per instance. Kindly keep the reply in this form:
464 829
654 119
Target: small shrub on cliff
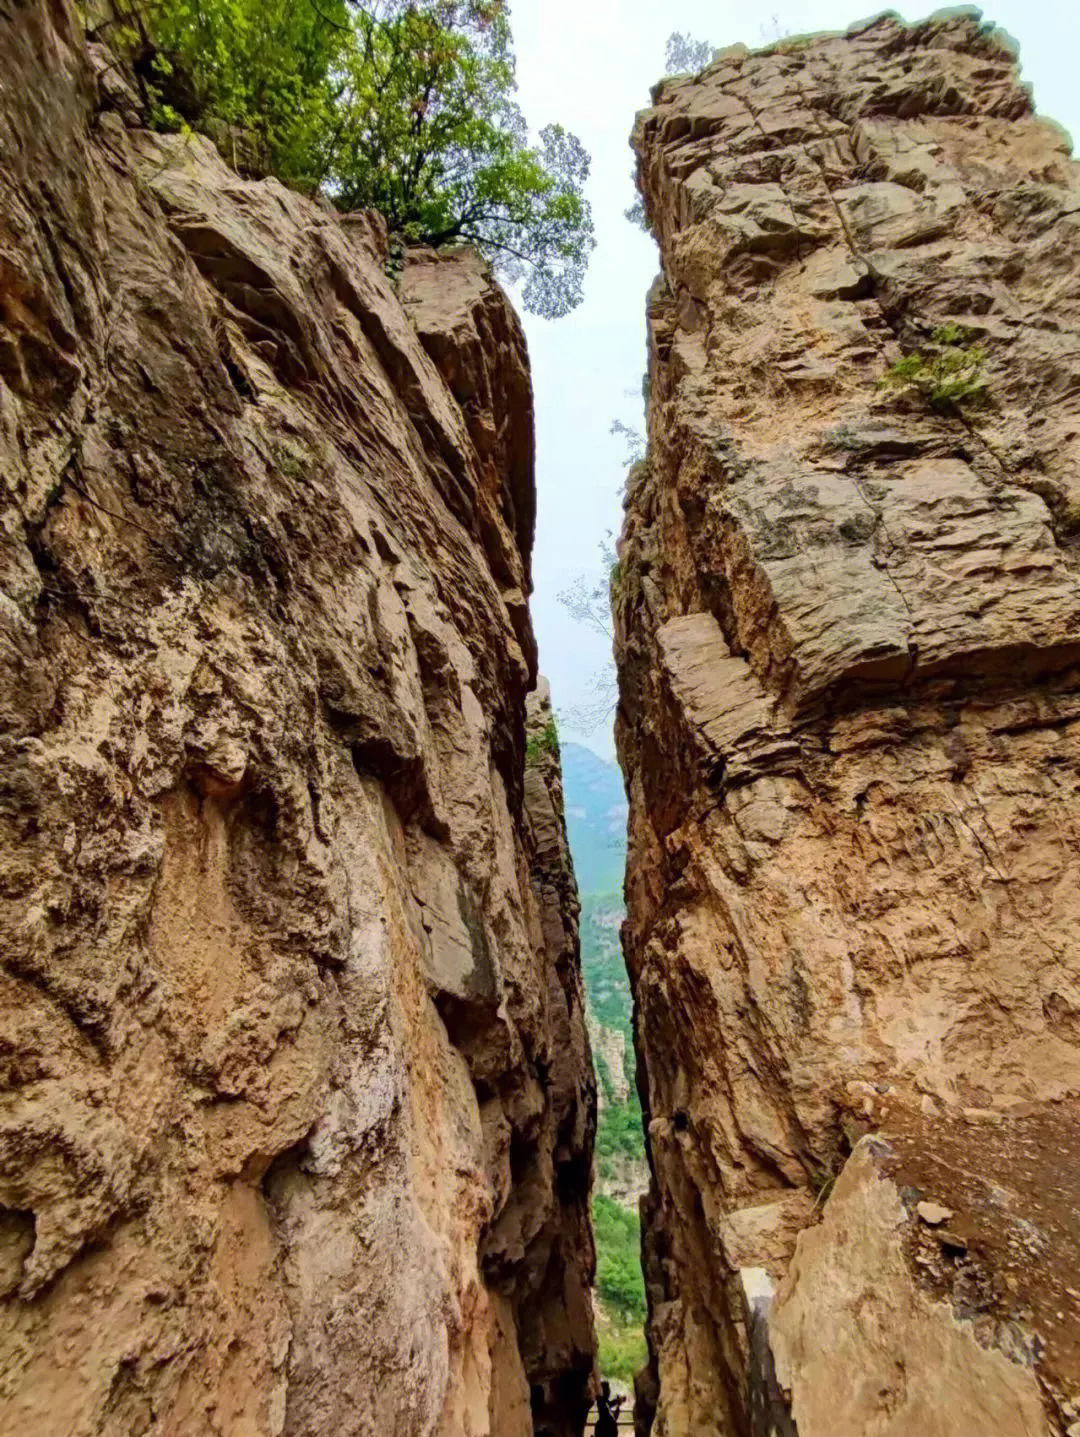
430 135
635 213
952 374
843 437
634 441
404 106
543 743
588 598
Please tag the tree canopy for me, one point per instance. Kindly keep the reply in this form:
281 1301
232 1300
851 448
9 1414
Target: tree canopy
404 106
619 1278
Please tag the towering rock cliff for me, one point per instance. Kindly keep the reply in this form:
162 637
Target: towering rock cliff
849 640
296 1109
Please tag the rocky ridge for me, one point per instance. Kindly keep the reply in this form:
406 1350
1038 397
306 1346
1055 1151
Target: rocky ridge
848 633
296 1108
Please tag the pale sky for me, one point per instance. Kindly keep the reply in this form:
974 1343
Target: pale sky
588 64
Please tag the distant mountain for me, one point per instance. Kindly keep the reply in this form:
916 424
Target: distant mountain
595 819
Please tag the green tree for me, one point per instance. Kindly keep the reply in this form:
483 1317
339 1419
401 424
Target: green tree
401 106
430 135
253 74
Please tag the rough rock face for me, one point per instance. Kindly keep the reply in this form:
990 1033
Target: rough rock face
849 642
297 1108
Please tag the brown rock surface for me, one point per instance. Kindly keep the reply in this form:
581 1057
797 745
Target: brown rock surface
848 627
296 1107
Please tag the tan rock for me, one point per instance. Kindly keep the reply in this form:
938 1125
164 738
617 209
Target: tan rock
296 1106
848 634
933 1214
885 1338
610 1044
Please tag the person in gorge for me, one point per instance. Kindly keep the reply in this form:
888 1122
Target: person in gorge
607 1412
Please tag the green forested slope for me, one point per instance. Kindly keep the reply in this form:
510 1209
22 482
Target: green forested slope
596 823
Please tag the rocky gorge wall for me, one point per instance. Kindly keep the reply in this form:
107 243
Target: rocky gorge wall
296 1103
848 634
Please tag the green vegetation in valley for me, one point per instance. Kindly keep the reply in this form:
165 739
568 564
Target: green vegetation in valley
602 963
622 1351
618 1270
619 1134
604 1078
620 1289
403 106
620 1144
596 822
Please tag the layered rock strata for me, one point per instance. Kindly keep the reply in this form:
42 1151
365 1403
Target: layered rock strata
848 630
296 1109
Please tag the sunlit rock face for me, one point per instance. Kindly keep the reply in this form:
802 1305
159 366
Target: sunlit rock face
297 1109
849 646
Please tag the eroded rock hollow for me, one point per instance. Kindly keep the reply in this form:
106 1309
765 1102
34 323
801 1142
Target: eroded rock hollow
848 620
297 1106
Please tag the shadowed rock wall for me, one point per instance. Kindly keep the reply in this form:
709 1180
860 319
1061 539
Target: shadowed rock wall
848 629
296 1106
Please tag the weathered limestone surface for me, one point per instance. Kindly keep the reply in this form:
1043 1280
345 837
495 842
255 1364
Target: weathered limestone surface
849 646
296 1106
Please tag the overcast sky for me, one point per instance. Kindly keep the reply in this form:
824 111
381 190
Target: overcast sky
588 64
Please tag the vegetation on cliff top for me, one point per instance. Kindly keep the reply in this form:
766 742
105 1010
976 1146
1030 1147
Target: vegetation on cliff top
403 106
546 742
